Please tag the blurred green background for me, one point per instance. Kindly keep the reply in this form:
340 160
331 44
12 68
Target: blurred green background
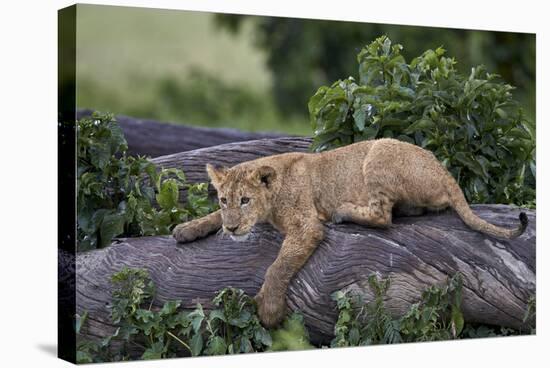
254 73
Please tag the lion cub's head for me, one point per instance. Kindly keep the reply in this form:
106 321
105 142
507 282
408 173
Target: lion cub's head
244 196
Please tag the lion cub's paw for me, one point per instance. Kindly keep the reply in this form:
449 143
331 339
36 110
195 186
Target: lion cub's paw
186 232
271 309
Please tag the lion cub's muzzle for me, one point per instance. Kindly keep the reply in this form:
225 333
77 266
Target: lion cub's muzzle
236 232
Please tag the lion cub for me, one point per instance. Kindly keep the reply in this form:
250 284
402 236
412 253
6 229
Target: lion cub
297 192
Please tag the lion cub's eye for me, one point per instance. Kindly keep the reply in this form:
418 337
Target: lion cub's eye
245 200
223 200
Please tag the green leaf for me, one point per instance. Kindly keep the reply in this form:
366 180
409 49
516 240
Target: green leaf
217 314
470 163
154 352
196 344
314 104
168 196
170 307
262 335
458 320
354 336
100 154
518 132
386 46
246 345
420 125
241 320
371 132
196 317
111 226
92 224
216 346
359 117
177 172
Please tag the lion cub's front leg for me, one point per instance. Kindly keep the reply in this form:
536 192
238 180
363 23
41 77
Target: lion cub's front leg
198 228
299 244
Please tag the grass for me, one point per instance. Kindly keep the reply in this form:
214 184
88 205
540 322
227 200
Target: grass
115 43
128 58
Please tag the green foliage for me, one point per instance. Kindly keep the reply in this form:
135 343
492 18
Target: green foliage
132 288
202 98
364 324
198 98
292 335
437 316
234 327
479 331
346 329
231 327
304 54
471 123
117 193
205 99
531 313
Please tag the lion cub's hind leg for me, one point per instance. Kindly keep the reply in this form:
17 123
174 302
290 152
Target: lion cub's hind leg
377 213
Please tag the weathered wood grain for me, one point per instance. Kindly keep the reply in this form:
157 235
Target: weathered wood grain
153 138
499 275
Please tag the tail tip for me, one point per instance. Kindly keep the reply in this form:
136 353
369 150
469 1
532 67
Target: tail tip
524 220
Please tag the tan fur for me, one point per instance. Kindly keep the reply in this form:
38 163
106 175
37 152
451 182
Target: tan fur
296 192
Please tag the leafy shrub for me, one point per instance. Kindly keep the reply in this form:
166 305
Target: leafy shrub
471 123
126 195
231 327
436 317
234 327
480 331
364 324
152 331
304 53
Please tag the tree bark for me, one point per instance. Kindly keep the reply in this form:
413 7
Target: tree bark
153 138
416 252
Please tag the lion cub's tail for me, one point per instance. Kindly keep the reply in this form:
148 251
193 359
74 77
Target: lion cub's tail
458 202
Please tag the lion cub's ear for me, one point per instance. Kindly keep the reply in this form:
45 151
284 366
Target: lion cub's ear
216 175
263 175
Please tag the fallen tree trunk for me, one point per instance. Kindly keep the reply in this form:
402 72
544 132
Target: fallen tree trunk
153 138
416 252
193 163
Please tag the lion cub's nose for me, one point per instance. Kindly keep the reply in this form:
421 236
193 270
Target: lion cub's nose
232 229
